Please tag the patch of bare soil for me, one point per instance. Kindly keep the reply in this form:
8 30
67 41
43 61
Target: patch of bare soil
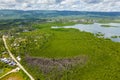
13 76
47 65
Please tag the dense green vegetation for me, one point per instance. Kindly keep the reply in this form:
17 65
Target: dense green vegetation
103 55
60 54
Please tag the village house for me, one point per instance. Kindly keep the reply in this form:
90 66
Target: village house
8 61
18 58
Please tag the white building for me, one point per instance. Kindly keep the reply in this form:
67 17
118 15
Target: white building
18 58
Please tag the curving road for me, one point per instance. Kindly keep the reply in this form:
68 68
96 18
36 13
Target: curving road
11 55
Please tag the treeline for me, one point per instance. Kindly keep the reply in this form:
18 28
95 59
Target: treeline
7 24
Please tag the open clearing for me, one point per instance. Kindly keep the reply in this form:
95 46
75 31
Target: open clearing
13 76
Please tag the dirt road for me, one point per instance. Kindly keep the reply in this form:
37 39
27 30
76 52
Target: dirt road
11 55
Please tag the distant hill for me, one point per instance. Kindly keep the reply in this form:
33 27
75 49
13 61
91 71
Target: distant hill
37 14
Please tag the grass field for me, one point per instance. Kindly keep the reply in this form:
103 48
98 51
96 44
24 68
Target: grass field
97 58
13 76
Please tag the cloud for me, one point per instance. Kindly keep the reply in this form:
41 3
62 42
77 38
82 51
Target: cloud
92 1
79 5
58 1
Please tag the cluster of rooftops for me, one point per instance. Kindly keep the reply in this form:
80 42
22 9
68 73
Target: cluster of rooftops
9 60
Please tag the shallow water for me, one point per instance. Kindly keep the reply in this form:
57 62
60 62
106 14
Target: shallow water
108 32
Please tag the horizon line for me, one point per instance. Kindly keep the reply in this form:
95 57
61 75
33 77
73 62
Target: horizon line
57 10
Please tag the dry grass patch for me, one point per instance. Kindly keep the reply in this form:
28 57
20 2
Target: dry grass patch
13 76
47 65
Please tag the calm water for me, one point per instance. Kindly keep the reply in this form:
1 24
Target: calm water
108 32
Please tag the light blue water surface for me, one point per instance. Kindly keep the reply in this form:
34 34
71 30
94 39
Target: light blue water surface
108 32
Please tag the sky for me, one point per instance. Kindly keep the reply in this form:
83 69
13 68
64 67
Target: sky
74 5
